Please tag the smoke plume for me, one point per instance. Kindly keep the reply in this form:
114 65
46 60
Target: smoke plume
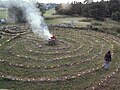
33 16
66 6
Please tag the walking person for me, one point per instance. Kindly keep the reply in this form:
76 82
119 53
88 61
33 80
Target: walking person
107 60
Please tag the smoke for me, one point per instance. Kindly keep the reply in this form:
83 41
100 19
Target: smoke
66 6
33 16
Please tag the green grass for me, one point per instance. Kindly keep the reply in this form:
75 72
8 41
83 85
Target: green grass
107 26
80 83
68 20
50 12
84 82
3 14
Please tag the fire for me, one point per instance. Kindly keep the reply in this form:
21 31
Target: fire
52 40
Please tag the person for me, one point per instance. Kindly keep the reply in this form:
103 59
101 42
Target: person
107 59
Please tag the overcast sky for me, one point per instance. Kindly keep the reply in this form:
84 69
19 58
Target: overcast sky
61 1
56 1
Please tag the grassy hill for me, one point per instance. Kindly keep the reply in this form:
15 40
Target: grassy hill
76 63
3 13
107 26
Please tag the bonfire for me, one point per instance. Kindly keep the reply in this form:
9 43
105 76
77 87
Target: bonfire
52 41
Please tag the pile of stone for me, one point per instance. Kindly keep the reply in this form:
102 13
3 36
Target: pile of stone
11 29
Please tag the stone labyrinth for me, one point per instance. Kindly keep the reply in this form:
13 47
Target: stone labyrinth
25 57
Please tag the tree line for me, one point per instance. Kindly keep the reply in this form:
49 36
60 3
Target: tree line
97 10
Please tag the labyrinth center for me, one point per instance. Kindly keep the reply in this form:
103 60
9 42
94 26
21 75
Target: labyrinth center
25 57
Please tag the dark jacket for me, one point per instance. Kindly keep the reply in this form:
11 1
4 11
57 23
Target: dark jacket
108 56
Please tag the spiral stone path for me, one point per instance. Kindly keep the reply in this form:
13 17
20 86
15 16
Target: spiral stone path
27 58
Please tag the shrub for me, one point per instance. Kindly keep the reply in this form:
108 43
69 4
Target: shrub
115 16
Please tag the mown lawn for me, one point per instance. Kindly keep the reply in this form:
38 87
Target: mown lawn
84 82
3 14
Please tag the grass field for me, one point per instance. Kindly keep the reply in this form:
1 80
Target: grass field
76 63
3 13
107 26
51 13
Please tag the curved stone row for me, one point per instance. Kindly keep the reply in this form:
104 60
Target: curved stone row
61 78
50 67
21 65
12 38
66 47
53 59
13 30
39 79
45 67
57 52
112 74
61 48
